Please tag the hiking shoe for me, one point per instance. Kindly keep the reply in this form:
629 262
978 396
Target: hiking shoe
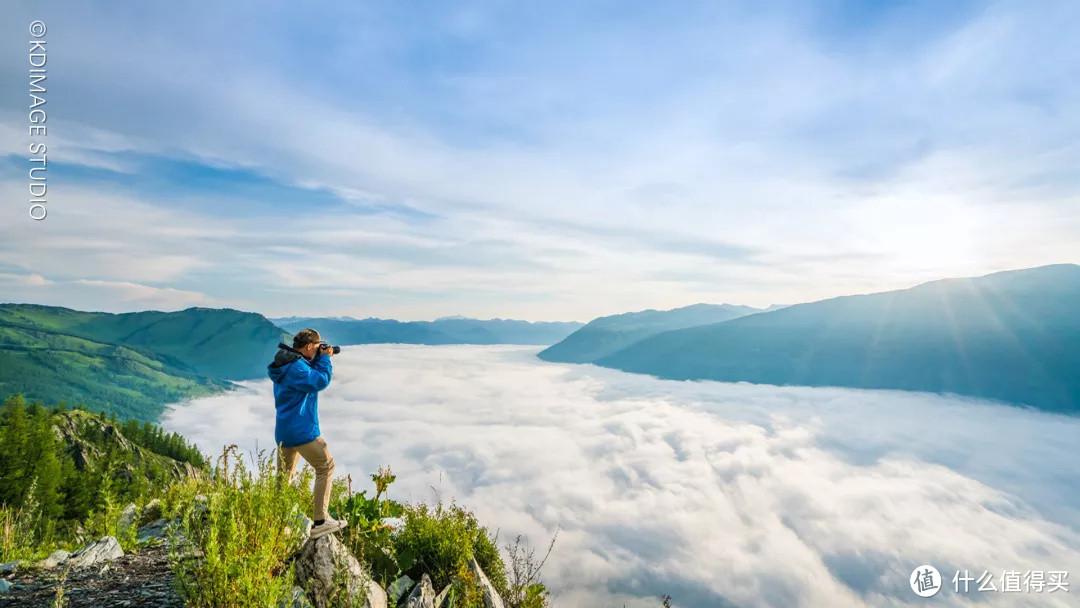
327 527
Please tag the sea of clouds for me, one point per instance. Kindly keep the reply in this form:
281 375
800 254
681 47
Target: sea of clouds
717 494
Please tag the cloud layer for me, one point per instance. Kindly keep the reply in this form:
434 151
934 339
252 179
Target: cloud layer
718 494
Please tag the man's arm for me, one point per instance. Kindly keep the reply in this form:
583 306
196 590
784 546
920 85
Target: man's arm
318 375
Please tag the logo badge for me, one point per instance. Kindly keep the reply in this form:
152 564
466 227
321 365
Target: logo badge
925 581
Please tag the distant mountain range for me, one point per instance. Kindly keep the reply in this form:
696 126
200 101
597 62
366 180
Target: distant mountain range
1011 336
606 335
133 363
445 330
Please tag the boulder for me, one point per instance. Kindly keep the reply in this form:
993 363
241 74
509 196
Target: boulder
153 530
423 595
439 599
102 550
55 559
297 599
328 571
201 504
376 597
129 516
152 511
399 588
491 597
301 524
10 567
5 587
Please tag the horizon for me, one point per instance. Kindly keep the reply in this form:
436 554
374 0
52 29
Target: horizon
767 308
539 163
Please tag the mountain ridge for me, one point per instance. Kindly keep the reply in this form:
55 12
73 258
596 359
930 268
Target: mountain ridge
1012 336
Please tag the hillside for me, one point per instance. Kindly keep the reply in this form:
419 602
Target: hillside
220 343
606 335
447 330
71 466
94 512
129 364
1012 336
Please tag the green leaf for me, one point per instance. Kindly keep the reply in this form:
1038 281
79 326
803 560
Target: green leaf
405 559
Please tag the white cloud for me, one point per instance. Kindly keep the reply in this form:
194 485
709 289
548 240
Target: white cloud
728 127
86 294
712 492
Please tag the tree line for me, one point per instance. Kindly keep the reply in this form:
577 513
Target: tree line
60 485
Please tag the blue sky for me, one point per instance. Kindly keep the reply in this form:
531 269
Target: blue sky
544 161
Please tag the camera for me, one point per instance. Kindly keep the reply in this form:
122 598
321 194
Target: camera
324 347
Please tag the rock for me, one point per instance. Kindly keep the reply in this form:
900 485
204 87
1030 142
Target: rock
5 586
439 599
423 595
128 517
399 588
301 524
201 504
327 570
55 559
153 530
297 599
10 567
152 511
376 597
491 597
102 550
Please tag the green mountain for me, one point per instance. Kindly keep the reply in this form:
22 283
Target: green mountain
130 364
606 335
1011 336
447 330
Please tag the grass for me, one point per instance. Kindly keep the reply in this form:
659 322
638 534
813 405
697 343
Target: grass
243 523
20 539
59 601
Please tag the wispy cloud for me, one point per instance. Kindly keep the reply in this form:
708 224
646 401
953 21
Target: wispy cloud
98 295
718 494
729 140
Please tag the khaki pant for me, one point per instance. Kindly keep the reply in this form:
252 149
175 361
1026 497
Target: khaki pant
318 456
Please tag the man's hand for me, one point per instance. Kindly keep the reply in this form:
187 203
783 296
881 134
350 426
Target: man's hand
327 350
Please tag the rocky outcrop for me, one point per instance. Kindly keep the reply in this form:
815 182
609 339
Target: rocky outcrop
10 567
300 524
5 587
141 578
327 570
56 558
103 550
152 511
423 595
129 516
74 426
491 597
297 599
399 588
153 530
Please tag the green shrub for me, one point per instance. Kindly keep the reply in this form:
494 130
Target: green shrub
368 539
245 529
443 539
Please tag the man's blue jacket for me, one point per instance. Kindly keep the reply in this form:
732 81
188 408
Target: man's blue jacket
297 383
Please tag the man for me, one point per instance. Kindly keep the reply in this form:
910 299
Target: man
298 377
